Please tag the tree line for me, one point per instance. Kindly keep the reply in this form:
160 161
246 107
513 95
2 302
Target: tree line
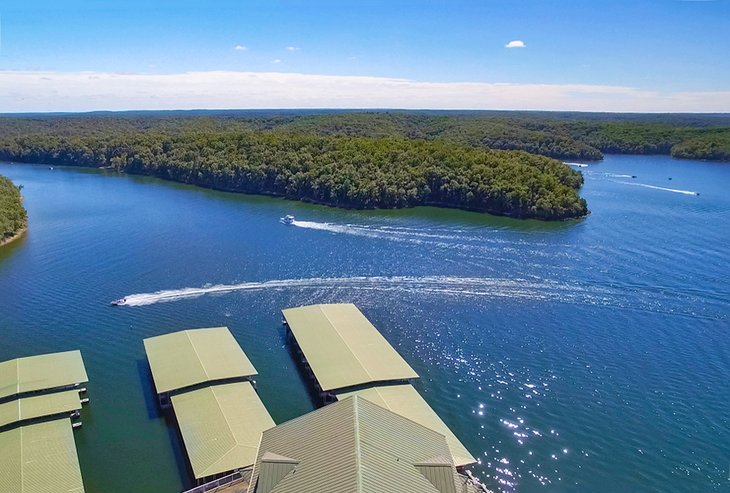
13 217
570 136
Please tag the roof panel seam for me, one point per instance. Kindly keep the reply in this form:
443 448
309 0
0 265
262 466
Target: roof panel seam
228 424
22 461
195 350
356 422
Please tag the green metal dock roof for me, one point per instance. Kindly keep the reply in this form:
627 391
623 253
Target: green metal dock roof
47 371
195 356
407 402
343 348
40 458
353 446
221 426
39 406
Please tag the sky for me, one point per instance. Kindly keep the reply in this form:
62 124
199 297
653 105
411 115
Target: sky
583 55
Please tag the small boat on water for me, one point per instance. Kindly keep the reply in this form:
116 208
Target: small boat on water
119 302
288 219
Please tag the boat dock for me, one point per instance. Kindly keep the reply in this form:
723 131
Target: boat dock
206 378
340 349
45 373
344 355
39 410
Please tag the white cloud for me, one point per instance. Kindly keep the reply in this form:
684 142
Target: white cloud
276 60
292 48
24 91
240 48
516 44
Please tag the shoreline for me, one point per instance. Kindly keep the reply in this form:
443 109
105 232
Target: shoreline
309 200
16 236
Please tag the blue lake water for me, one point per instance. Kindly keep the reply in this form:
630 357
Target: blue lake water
590 355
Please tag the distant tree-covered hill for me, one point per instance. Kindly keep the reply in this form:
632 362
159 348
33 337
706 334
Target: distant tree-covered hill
572 136
13 218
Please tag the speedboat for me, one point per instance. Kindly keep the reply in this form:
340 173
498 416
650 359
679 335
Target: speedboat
288 219
119 302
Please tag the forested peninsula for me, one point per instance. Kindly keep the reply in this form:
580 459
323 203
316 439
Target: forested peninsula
355 172
13 218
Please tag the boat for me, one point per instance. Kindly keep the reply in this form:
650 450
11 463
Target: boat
119 302
288 219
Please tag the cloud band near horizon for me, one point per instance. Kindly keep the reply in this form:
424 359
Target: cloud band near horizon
42 91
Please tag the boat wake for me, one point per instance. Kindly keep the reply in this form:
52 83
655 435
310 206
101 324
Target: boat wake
461 286
654 187
387 232
634 298
577 165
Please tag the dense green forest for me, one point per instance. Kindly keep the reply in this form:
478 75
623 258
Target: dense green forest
497 162
570 136
12 213
359 172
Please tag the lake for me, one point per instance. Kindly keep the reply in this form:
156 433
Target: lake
590 355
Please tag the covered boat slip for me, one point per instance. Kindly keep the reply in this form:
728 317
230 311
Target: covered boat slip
40 458
407 402
220 421
39 373
221 427
342 348
39 406
191 357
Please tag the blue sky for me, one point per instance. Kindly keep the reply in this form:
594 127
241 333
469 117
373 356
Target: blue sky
656 48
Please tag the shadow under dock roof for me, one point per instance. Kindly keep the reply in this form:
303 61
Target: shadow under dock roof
43 372
343 348
190 357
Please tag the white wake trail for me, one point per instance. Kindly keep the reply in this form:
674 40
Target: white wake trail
446 285
383 232
654 187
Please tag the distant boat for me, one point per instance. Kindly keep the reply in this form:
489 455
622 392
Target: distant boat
288 219
50 167
119 302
